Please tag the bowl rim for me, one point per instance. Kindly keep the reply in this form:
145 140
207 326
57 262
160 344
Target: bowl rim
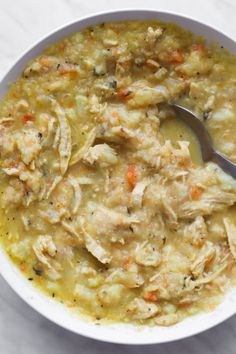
16 279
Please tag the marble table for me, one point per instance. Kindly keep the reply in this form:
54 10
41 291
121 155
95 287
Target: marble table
22 330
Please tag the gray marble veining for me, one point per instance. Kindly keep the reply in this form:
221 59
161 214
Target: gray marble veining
22 330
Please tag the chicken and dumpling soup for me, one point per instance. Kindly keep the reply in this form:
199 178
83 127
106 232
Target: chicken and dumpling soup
105 202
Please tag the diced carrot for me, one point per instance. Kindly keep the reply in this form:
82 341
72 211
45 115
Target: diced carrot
7 123
182 161
176 56
165 283
126 64
59 205
69 68
128 263
195 192
150 296
114 113
44 61
29 142
16 94
131 176
12 163
28 118
22 267
67 71
208 262
62 45
117 245
125 93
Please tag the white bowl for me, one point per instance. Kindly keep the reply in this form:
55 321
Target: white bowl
116 333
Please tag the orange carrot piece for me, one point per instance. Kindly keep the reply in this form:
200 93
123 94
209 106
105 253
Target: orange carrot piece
12 163
131 176
114 113
195 192
7 123
186 304
176 57
22 267
28 118
44 61
125 93
62 45
67 71
165 283
128 263
150 296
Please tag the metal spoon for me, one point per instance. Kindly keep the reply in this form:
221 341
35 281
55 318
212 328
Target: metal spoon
209 153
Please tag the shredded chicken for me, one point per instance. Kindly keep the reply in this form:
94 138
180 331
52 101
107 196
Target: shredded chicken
196 232
65 138
203 259
102 154
147 255
56 181
28 144
106 221
152 35
50 131
96 249
13 194
231 234
88 143
144 95
167 320
141 310
71 229
207 205
45 248
77 194
138 192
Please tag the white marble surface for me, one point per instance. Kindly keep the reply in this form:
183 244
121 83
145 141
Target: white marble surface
22 330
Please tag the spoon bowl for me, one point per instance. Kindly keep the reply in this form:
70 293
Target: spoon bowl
209 153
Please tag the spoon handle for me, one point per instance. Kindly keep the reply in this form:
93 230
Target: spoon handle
226 165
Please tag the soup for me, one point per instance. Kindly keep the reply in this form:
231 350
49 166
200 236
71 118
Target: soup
106 204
